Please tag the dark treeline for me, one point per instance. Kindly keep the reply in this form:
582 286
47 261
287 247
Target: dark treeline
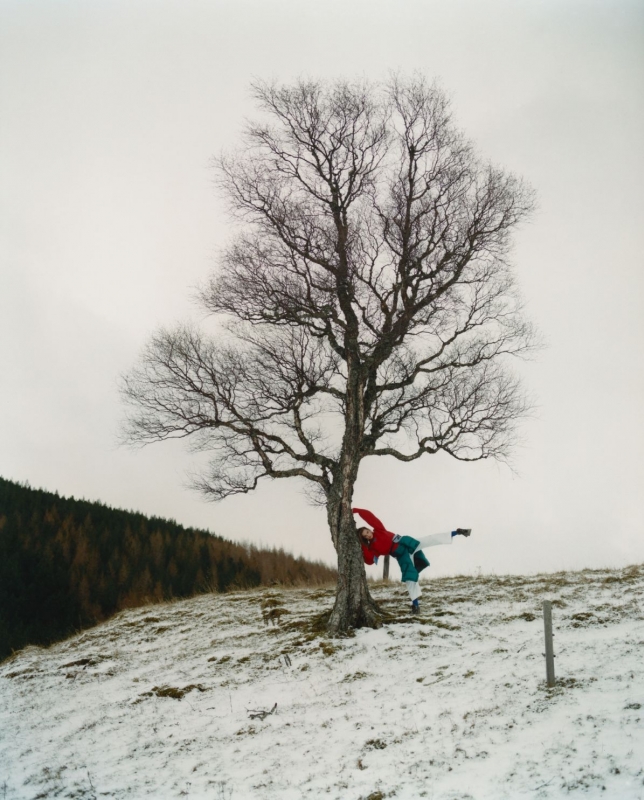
67 564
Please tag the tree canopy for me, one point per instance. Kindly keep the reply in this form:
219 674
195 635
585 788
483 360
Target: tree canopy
369 303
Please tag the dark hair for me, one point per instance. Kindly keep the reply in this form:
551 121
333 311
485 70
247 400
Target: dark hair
363 528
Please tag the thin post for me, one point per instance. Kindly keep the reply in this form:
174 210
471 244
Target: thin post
550 656
385 569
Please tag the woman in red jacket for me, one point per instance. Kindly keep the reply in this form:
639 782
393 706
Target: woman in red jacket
405 549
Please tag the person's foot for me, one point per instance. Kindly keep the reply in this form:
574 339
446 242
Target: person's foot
415 607
463 531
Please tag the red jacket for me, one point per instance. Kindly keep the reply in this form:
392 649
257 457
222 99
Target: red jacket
382 543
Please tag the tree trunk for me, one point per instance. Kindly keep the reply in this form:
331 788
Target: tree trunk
354 606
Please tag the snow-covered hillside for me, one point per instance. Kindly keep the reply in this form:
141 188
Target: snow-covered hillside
158 702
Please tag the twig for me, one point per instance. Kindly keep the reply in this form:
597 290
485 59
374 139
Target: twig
261 713
437 681
91 784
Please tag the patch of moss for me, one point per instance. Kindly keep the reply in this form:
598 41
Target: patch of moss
375 744
273 614
586 618
356 676
310 628
322 594
174 691
564 683
249 731
438 623
327 648
81 662
90 661
270 601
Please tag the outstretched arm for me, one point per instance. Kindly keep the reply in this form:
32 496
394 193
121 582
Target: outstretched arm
369 518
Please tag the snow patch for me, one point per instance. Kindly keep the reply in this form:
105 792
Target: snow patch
219 697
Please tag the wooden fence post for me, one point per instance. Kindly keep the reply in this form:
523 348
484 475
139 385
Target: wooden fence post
385 569
550 656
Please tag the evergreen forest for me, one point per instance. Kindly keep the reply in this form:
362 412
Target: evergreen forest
68 564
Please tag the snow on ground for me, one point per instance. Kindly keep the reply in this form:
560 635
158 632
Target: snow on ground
453 704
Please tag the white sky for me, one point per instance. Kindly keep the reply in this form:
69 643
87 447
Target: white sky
109 114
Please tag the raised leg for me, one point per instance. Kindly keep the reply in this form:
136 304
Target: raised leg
434 540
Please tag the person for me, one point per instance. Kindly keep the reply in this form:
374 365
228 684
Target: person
405 549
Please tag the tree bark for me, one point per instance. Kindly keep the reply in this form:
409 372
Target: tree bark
354 606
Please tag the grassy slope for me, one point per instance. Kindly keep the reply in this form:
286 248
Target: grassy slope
66 564
156 702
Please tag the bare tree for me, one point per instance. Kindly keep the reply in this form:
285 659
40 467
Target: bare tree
370 308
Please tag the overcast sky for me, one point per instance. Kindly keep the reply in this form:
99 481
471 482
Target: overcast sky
109 115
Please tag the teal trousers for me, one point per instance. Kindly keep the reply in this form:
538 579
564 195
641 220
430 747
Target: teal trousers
410 563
